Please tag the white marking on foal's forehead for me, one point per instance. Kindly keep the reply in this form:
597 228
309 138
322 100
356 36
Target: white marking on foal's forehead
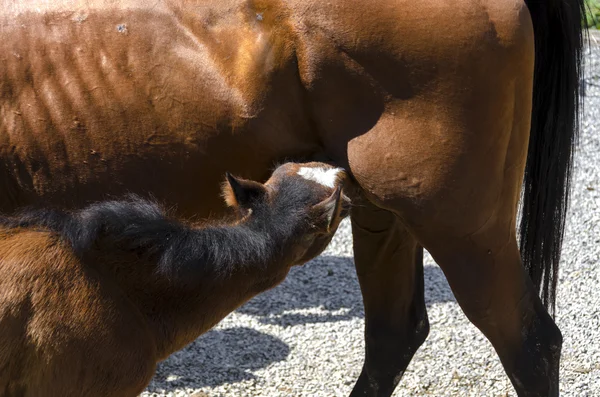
324 176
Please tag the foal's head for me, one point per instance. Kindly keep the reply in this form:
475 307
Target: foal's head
303 203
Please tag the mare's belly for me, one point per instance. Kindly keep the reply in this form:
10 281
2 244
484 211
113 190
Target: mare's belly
103 101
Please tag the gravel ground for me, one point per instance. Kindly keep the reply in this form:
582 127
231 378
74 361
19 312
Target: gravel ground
305 337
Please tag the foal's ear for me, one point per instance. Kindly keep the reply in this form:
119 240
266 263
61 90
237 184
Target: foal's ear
242 193
329 211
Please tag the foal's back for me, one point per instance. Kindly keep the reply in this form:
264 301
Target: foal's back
50 306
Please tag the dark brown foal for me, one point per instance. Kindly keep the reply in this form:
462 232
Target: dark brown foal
91 300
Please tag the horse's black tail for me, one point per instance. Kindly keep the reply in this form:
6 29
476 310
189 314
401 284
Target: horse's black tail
554 131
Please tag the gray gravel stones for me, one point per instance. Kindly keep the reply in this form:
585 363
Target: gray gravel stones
305 337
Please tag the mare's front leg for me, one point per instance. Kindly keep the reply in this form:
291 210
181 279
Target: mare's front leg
389 263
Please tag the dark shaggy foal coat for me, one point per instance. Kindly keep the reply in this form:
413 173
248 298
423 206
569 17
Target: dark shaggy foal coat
91 300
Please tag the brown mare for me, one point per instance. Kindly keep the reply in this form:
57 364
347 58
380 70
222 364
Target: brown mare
439 110
91 300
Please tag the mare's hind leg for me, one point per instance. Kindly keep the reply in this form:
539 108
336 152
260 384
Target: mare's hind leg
389 265
484 269
461 206
486 275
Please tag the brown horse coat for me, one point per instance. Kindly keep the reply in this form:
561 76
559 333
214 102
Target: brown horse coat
434 126
184 90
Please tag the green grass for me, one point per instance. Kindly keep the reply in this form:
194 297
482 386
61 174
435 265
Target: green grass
592 17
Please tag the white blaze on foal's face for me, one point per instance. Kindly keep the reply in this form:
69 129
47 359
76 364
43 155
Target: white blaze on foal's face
325 176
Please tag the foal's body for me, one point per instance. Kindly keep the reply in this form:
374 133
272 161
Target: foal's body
79 318
433 126
91 301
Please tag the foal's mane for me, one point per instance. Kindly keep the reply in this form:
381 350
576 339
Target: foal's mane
143 228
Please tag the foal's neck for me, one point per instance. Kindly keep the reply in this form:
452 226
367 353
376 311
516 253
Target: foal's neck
201 276
213 253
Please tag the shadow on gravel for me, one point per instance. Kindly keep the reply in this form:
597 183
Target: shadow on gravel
326 290
218 357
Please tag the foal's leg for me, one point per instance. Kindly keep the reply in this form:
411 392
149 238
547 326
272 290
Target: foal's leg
389 265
